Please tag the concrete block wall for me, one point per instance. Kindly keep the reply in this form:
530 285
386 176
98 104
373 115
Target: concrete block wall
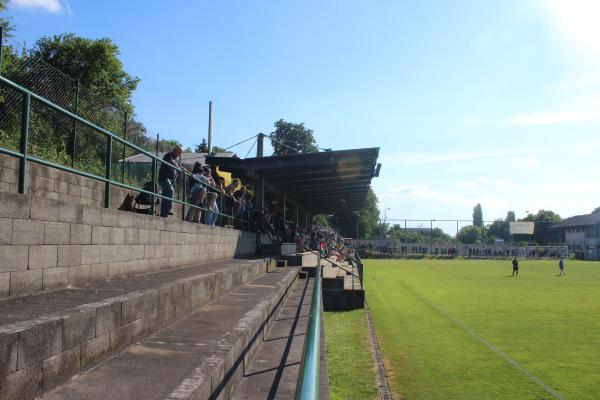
39 354
48 243
61 185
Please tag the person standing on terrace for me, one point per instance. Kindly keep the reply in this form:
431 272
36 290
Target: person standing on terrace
166 178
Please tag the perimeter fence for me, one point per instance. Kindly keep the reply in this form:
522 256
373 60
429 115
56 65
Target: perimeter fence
48 117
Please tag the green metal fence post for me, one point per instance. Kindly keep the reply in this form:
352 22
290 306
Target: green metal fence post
74 133
1 44
123 155
154 165
24 140
108 171
183 195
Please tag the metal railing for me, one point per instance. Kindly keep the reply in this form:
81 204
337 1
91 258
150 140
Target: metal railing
308 387
23 155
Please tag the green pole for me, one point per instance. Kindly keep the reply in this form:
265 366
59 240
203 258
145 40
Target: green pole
24 140
74 133
123 154
108 171
1 44
152 207
308 385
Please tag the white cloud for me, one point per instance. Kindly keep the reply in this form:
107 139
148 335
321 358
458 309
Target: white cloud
433 158
554 118
53 6
529 161
506 183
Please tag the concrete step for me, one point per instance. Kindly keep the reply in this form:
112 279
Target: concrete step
47 338
199 357
273 373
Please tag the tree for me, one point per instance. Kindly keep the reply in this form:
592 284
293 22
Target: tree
596 210
5 22
291 138
469 234
424 235
202 147
477 215
94 62
168 144
321 219
368 219
499 229
543 219
510 216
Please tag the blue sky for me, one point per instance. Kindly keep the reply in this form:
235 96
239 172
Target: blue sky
496 102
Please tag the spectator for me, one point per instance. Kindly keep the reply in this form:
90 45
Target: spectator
166 178
196 193
213 209
240 198
230 189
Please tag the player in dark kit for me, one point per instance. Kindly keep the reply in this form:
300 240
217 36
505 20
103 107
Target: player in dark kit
515 264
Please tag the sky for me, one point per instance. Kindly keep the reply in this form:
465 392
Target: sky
491 102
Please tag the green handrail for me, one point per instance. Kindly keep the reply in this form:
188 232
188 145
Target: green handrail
23 154
308 384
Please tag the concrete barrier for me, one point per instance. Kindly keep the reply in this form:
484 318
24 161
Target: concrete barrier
38 354
48 244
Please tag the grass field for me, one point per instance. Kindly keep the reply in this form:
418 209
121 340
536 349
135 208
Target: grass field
462 329
349 360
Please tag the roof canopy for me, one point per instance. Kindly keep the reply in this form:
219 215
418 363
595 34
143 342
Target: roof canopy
323 183
578 221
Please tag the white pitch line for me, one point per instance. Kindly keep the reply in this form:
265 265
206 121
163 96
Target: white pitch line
489 345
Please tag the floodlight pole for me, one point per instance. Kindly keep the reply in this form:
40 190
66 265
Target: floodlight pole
210 126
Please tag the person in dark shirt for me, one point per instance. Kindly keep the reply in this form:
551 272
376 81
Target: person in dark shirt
561 265
166 179
515 264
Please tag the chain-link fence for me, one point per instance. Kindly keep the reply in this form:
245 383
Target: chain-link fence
59 138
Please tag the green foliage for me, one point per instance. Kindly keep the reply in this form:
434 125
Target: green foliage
94 62
596 210
368 219
424 235
321 219
543 219
349 360
202 147
477 215
167 144
510 216
291 138
433 316
498 229
470 234
5 22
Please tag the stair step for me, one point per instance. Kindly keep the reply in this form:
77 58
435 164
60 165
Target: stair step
48 337
199 357
273 373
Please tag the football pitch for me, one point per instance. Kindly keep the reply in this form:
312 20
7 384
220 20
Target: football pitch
466 329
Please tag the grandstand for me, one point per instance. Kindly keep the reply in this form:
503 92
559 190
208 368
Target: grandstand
101 302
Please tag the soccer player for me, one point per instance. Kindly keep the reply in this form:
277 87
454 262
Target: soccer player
515 264
561 265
